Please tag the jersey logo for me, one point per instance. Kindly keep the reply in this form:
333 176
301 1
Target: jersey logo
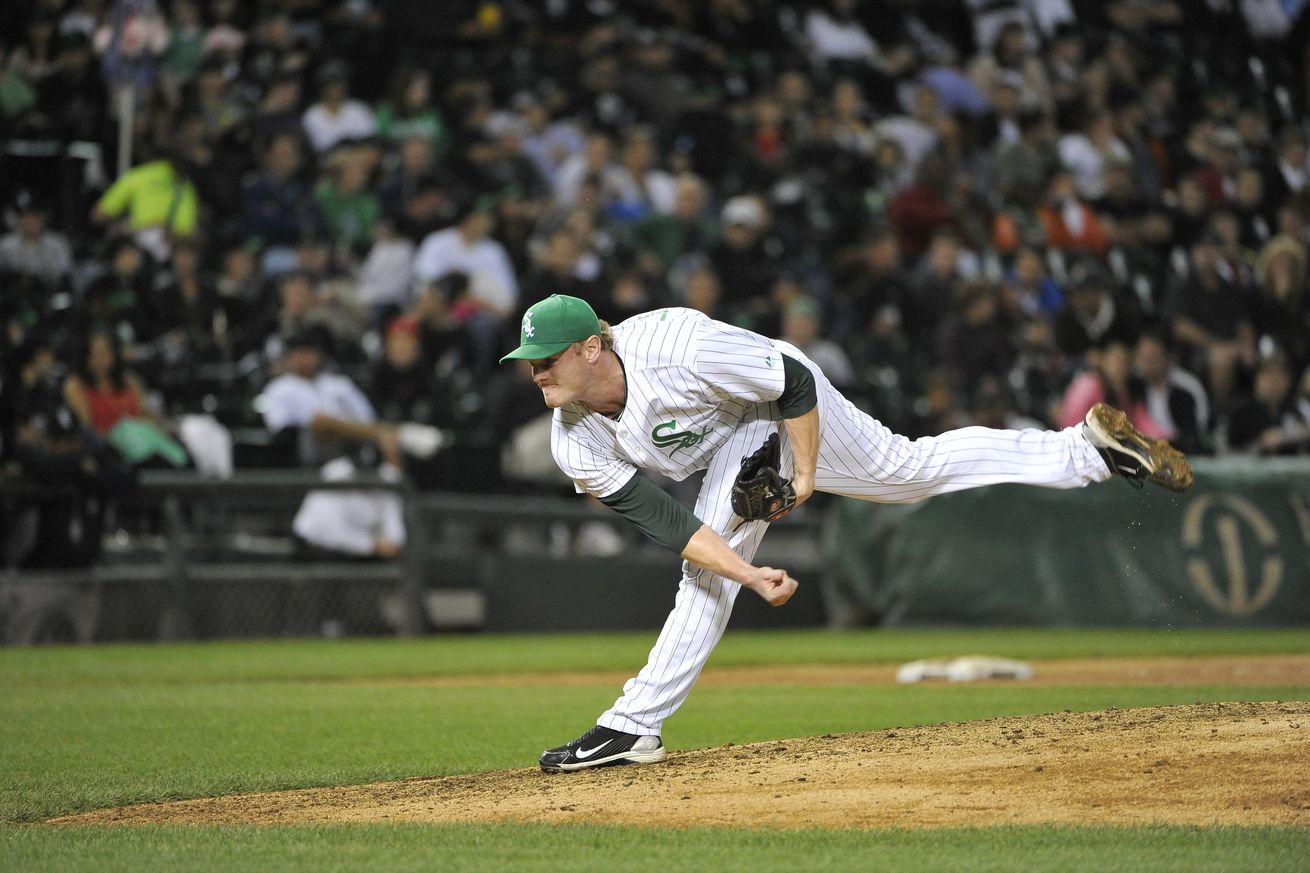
768 359
667 436
528 329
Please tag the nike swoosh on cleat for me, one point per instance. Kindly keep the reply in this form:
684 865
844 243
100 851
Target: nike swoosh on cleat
584 755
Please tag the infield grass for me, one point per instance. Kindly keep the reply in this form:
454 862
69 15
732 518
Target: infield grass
85 727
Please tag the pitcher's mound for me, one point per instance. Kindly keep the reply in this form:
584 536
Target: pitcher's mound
1208 764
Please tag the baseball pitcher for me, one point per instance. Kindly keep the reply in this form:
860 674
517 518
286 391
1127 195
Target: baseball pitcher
674 392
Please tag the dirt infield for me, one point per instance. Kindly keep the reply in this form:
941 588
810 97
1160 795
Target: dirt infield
1205 764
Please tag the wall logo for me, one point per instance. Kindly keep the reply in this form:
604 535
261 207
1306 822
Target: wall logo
667 436
1250 565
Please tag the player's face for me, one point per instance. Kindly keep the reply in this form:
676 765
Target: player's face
560 377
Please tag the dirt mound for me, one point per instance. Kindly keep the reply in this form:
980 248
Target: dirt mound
1226 763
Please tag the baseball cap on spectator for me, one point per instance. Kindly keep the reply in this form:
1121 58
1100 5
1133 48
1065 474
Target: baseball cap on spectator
552 325
743 210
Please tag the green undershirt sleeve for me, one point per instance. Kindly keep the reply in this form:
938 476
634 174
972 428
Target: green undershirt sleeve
799 393
654 513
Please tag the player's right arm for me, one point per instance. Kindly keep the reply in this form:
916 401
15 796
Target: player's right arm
709 550
666 521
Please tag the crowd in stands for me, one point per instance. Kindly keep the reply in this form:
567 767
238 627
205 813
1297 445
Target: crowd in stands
966 211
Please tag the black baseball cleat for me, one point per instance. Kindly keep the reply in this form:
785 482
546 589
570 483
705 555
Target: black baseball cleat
603 747
1132 454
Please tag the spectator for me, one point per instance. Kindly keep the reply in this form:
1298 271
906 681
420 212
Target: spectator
917 131
923 208
1108 379
642 186
563 267
1290 173
444 339
800 327
404 385
493 290
1281 309
279 208
386 276
157 199
548 141
185 310
974 341
101 391
416 193
1271 419
1174 398
933 288
702 291
409 112
1087 152
357 524
1068 223
748 255
595 167
33 249
336 117
346 201
318 414
1212 322
1095 313
852 129
667 238
119 300
1029 289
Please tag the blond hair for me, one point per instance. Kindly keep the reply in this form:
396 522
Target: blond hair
606 335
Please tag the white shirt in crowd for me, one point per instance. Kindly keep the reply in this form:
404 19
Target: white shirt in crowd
385 274
354 120
293 401
1087 164
847 41
484 261
49 257
1157 401
351 522
661 190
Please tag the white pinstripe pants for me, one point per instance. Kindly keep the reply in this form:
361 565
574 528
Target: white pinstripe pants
858 457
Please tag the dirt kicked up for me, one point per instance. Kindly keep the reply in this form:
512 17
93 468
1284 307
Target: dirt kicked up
1204 764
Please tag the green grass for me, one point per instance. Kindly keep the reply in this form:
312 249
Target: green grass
87 727
487 654
453 849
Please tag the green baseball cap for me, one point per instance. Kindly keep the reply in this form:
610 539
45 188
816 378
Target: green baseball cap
552 325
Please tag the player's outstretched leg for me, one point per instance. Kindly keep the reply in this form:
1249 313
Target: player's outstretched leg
603 747
1131 453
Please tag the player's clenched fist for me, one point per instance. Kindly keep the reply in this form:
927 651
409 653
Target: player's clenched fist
775 586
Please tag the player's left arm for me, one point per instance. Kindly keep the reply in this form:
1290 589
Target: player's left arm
799 404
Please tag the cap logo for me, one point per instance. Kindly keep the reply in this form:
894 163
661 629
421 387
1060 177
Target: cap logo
528 329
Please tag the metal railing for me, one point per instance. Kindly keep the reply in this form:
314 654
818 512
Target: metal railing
209 538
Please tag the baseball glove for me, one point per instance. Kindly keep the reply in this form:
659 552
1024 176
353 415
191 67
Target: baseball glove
759 492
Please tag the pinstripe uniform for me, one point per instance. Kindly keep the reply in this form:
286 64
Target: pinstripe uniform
701 396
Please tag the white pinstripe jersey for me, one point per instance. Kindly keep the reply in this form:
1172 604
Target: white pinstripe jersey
690 380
